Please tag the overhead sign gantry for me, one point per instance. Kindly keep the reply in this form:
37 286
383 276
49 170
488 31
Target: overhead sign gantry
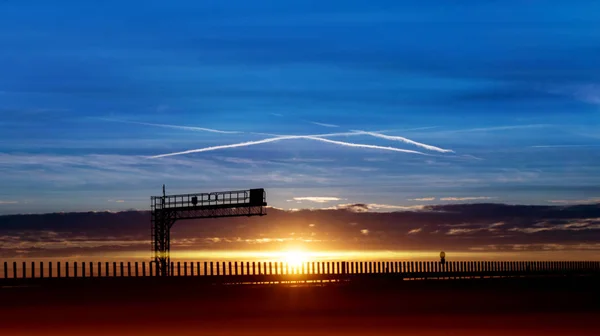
167 209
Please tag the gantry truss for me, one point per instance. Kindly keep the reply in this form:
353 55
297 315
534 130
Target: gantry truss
167 209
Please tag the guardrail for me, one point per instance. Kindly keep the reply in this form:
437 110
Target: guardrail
306 270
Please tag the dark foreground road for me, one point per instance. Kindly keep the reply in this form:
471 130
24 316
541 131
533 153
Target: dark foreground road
562 306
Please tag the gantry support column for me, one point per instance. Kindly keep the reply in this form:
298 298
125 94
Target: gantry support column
162 221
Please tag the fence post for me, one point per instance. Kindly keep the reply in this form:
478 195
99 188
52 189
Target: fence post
50 269
24 270
5 270
83 269
41 269
75 269
32 269
91 269
58 269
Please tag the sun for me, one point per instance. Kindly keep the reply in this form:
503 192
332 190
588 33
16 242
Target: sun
294 258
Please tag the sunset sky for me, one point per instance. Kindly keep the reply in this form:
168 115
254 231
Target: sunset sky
474 101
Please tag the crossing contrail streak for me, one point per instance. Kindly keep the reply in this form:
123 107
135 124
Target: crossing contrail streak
373 134
189 128
350 144
405 140
284 137
290 137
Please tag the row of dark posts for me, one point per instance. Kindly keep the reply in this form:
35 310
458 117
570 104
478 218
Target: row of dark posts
473 268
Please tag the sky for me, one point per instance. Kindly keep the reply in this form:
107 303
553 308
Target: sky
392 104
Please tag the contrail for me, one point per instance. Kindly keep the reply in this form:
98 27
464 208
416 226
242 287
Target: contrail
189 128
326 135
323 124
350 144
290 137
312 137
405 140
373 134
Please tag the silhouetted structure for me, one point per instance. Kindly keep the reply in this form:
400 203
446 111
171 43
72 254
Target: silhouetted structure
240 272
167 209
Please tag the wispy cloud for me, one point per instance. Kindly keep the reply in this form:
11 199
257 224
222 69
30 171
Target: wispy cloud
499 128
580 201
461 231
361 207
573 225
8 202
268 140
587 93
405 140
424 199
117 201
465 198
317 199
564 146
414 231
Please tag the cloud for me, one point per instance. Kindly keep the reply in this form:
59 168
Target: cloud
405 140
361 207
587 93
465 198
317 199
289 137
500 128
424 199
8 202
573 225
563 146
458 227
582 201
117 201
459 231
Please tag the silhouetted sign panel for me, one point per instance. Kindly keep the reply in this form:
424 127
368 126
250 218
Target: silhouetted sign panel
257 197
224 199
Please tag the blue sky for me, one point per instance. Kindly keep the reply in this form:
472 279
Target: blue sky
511 87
